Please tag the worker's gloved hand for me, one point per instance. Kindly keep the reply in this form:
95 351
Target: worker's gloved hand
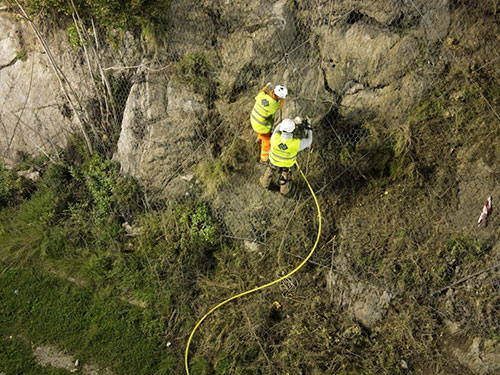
270 85
307 123
297 120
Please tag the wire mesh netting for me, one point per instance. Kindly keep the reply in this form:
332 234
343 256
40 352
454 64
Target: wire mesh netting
387 87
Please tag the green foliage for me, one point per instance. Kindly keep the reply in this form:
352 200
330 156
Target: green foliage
194 70
29 230
90 324
35 162
460 251
16 357
430 107
21 55
149 17
199 366
186 234
465 248
100 177
109 192
74 38
9 185
223 366
49 6
202 230
212 174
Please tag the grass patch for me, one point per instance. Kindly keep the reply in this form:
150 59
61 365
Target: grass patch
93 325
10 186
195 71
212 174
16 358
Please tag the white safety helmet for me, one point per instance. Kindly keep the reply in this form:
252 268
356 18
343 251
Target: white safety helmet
287 125
280 91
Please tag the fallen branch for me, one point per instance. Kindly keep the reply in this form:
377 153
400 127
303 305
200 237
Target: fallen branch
464 279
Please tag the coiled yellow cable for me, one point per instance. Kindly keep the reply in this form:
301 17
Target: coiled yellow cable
186 354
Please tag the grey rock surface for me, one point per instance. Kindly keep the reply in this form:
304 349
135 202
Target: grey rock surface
159 131
481 356
34 116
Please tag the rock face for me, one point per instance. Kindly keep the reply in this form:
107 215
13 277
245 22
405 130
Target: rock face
255 46
360 59
480 356
159 130
363 57
364 302
34 116
373 66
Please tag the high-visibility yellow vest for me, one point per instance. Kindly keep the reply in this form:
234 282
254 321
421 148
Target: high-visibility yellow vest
262 116
283 151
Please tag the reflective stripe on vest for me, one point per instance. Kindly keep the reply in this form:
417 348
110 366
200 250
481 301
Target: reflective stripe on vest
284 151
263 111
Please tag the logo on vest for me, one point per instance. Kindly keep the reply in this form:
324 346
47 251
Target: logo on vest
265 103
283 146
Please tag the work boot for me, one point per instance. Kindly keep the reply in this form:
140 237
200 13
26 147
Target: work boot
287 186
266 178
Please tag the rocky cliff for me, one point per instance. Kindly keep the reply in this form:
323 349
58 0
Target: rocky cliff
392 89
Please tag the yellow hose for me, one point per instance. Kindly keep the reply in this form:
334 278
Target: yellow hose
186 354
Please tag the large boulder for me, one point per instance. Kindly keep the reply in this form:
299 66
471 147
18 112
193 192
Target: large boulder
367 66
159 135
259 36
481 356
363 301
35 116
372 55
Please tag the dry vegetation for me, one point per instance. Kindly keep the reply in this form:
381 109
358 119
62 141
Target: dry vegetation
399 216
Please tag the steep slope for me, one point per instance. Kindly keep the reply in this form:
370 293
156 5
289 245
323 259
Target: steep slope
404 98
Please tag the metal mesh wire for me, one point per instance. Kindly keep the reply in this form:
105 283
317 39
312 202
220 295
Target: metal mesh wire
340 136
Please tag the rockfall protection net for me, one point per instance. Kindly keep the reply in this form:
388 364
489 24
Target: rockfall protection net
374 116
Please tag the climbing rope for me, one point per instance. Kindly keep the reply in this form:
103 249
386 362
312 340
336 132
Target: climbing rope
186 354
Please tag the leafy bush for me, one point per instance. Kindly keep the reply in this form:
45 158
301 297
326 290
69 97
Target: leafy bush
74 38
194 70
201 228
7 185
149 17
109 191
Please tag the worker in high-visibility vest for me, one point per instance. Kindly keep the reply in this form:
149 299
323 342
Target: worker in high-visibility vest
267 102
284 149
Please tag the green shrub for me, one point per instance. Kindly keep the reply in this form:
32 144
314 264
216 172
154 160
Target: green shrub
74 38
7 185
149 17
201 227
212 174
110 193
194 70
